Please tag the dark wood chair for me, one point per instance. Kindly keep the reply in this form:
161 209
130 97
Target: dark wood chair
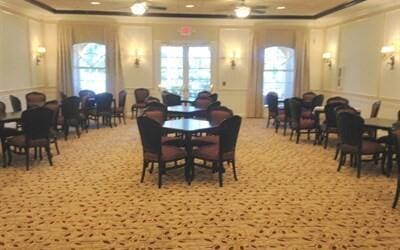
102 110
86 92
36 124
5 133
307 99
54 106
202 102
350 132
72 116
154 151
35 99
283 118
63 96
119 112
214 97
15 103
171 99
215 115
343 108
140 96
271 99
371 133
203 93
337 99
329 126
299 123
223 151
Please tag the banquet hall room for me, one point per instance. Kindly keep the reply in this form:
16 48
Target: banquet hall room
199 124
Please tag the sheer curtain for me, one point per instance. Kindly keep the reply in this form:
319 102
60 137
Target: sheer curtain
265 37
70 33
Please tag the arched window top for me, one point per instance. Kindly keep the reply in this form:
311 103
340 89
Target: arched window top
90 54
283 58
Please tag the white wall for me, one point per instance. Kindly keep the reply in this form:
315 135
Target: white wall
366 77
19 73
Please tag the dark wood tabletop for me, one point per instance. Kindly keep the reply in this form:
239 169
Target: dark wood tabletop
188 125
379 123
11 117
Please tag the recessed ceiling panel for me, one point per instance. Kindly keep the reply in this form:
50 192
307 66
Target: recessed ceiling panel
300 8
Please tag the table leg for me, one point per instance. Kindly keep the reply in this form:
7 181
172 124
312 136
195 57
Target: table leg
189 163
389 163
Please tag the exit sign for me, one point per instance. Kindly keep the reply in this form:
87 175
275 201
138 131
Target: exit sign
185 31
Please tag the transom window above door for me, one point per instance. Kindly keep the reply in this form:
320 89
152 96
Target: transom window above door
278 73
185 70
89 67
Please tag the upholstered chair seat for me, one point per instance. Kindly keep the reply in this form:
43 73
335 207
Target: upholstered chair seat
211 153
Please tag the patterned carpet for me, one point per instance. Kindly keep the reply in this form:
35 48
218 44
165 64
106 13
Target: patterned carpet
288 197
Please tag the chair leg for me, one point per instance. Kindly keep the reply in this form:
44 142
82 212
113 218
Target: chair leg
337 151
160 173
309 134
97 122
284 128
326 140
276 126
56 145
396 197
27 158
297 136
49 156
340 161
234 170
132 112
220 172
123 118
78 132
383 160
151 168
66 131
268 119
291 134
358 165
9 155
145 164
4 150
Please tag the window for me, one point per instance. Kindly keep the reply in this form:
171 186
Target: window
186 70
278 74
89 66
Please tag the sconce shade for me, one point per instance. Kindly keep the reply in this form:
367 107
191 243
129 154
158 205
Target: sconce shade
327 55
387 49
41 50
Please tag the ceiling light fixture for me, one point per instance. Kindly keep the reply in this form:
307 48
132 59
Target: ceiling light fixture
189 5
95 3
242 11
139 9
281 7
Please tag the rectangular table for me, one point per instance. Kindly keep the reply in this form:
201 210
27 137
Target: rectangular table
184 111
188 127
386 125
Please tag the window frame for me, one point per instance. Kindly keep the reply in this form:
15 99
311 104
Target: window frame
186 45
279 70
76 69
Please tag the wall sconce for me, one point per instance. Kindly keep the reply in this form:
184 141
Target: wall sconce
327 56
40 54
388 51
137 60
233 60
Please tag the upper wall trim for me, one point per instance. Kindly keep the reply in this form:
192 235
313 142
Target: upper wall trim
337 8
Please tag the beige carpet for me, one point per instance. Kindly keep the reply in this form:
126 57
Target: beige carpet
288 197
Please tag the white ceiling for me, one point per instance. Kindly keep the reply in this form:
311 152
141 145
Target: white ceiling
293 7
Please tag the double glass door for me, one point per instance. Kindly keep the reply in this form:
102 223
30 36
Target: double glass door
185 70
